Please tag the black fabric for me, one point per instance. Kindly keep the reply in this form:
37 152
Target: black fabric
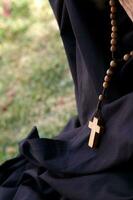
65 168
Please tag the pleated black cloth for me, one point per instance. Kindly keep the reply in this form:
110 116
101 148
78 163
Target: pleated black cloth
65 168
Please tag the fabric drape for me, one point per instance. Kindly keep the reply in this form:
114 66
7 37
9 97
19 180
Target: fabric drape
65 168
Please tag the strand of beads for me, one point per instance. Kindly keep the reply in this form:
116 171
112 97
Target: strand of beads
113 49
97 125
127 56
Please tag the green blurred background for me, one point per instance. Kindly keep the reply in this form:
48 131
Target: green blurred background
35 82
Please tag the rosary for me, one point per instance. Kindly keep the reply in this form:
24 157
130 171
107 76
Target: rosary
96 125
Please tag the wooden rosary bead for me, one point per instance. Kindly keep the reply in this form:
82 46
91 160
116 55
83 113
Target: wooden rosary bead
114 28
113 22
113 42
126 57
101 97
131 53
105 85
113 48
107 78
109 72
112 16
113 35
112 3
113 64
113 9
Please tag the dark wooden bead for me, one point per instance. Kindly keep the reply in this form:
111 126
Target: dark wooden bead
126 57
101 97
105 84
112 16
113 9
114 28
109 72
114 35
131 53
113 22
113 48
113 63
112 3
107 78
113 42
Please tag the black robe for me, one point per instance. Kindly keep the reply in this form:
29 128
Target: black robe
65 168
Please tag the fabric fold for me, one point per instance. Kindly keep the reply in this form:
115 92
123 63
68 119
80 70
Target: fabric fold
64 167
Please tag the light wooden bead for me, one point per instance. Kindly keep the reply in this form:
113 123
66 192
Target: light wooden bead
113 48
126 57
109 72
113 9
114 28
131 53
105 84
113 42
107 78
101 97
113 63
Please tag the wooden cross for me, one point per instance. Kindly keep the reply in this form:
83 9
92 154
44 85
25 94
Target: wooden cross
95 131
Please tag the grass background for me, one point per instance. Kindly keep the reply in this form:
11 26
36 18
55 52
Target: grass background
35 82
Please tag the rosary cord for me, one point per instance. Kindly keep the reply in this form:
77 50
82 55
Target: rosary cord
114 61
